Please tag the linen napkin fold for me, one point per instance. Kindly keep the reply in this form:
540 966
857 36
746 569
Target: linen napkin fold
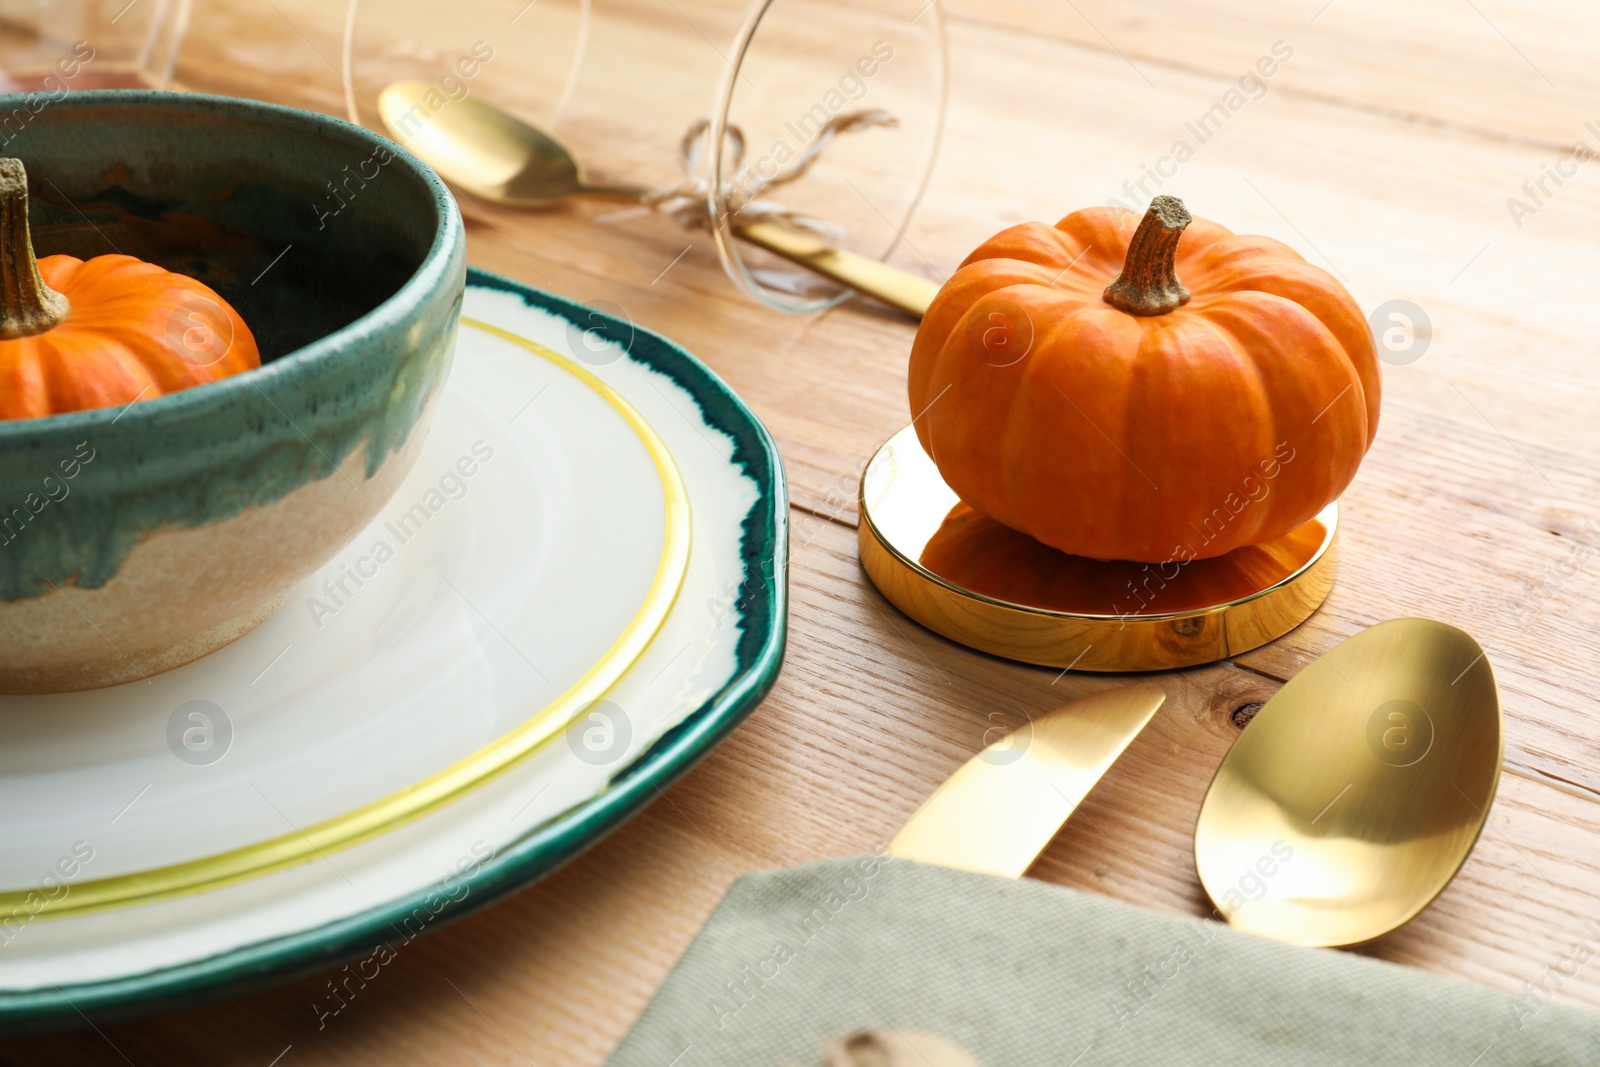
1023 972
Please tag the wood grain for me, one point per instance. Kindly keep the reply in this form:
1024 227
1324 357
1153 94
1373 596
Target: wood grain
1385 150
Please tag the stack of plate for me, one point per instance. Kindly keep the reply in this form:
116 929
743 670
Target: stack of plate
578 591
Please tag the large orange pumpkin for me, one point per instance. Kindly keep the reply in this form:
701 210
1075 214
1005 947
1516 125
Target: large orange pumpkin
105 332
1155 390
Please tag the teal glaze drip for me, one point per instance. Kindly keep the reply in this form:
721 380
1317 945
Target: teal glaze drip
206 454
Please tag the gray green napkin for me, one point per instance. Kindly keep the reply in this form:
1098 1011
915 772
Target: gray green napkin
1022 972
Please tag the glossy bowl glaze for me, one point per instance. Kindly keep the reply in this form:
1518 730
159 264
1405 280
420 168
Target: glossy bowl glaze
134 540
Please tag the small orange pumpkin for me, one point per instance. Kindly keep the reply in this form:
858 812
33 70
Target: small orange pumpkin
105 332
1145 390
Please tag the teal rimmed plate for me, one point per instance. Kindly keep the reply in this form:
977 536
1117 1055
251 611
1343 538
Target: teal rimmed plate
451 655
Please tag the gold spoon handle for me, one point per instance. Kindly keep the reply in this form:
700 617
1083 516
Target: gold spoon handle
895 287
899 289
613 192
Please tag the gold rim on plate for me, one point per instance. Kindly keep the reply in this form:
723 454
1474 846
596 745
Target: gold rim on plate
978 583
440 788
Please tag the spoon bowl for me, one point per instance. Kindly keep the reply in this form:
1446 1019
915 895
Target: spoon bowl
1354 796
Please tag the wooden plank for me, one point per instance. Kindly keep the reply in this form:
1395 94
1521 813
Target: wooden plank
1519 73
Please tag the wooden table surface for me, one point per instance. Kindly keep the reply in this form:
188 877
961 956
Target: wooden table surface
1386 149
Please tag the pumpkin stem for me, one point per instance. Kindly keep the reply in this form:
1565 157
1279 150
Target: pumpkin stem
27 305
1148 284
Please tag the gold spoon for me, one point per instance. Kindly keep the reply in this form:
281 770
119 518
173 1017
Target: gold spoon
493 154
1354 796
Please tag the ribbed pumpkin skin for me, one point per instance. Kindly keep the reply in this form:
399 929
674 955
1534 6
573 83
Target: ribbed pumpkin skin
1226 422
116 344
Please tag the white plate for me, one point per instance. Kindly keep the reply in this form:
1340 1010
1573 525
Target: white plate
533 533
510 560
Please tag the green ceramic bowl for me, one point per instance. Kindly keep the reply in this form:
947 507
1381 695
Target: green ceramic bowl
134 540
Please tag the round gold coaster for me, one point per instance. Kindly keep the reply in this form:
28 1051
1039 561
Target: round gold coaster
989 587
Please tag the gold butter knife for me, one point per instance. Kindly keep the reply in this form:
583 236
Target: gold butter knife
1004 805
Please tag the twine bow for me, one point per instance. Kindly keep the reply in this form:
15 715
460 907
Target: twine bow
741 192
